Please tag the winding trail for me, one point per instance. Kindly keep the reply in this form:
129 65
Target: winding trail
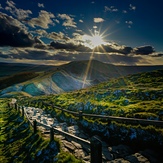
121 153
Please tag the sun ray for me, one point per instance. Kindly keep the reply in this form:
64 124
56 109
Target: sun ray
93 40
87 69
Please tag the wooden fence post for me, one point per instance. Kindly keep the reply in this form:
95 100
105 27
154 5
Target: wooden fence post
96 150
22 111
42 105
35 126
51 134
80 115
16 107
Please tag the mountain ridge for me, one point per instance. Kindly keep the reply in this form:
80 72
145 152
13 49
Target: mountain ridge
69 77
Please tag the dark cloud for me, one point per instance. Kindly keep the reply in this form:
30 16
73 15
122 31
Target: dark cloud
4 56
113 48
12 33
27 53
144 50
157 54
62 55
57 36
69 46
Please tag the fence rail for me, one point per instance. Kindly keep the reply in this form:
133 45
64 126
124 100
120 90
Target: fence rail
94 144
111 118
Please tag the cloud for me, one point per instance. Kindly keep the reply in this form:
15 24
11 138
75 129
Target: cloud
44 56
68 21
113 48
41 5
1 6
81 21
70 46
28 53
156 54
40 32
44 20
13 33
132 7
57 36
110 9
56 20
98 20
144 50
18 13
129 23
60 36
124 11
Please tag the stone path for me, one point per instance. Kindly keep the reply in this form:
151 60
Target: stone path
80 151
114 154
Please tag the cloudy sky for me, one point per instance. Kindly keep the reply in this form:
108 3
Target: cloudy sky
127 32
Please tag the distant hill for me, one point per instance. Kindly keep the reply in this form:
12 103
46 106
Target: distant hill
8 69
54 80
105 70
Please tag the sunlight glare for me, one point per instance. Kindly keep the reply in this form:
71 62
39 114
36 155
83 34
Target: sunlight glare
93 41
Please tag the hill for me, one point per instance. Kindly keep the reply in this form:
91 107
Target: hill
138 95
134 96
54 80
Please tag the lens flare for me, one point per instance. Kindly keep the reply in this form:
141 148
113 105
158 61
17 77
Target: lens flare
93 40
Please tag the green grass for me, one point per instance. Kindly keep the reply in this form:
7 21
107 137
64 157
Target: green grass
18 143
135 96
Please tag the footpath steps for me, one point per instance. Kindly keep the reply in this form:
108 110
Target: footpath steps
118 153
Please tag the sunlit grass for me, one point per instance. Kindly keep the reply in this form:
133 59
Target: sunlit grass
18 143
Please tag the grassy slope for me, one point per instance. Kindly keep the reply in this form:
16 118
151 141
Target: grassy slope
18 143
138 95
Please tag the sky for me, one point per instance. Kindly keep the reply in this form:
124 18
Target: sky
122 32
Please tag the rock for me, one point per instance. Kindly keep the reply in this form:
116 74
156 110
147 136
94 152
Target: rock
106 154
73 130
120 160
137 158
69 145
151 155
60 137
77 145
87 158
120 151
79 153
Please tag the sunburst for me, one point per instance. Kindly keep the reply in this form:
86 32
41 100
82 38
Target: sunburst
93 40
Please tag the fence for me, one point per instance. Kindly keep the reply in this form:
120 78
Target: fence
95 144
135 121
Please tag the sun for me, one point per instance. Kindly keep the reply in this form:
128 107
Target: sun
93 41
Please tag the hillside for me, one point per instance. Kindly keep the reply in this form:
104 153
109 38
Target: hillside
138 95
45 80
8 69
134 96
